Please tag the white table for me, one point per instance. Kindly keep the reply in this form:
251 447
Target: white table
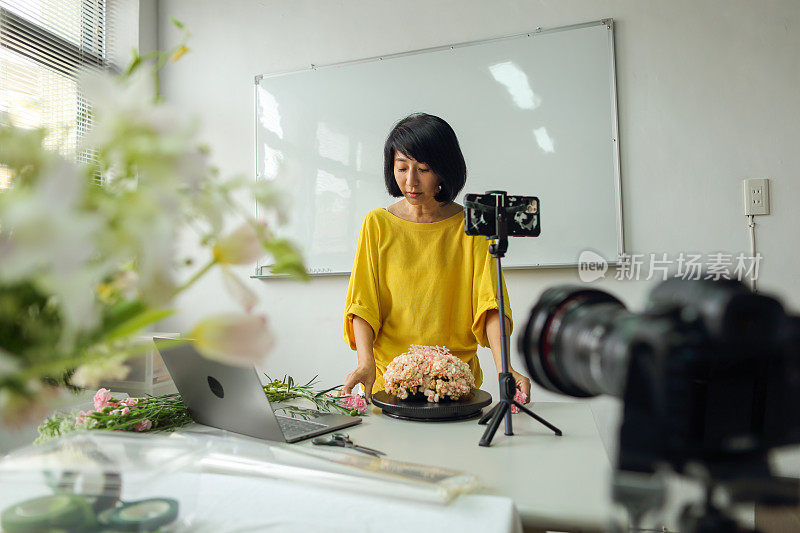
549 482
233 504
555 482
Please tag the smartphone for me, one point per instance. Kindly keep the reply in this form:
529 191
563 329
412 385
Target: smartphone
523 215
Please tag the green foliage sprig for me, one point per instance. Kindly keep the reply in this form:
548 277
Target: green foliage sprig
286 389
168 412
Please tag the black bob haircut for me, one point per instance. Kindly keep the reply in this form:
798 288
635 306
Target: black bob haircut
430 140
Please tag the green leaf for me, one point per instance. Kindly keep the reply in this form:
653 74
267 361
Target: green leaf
135 62
294 270
137 323
177 23
122 312
288 259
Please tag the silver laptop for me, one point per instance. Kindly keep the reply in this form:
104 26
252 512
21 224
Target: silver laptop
232 398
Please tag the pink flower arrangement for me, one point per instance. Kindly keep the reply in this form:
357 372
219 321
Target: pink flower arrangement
355 402
430 370
521 397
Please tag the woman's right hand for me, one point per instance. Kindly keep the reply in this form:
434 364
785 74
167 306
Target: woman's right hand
364 374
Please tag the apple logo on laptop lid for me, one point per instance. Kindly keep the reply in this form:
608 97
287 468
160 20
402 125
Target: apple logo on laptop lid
216 387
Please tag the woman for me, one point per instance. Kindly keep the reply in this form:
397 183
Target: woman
417 277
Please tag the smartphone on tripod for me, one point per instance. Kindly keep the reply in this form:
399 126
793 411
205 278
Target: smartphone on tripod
498 216
523 215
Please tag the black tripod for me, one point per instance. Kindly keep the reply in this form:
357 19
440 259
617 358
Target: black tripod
507 384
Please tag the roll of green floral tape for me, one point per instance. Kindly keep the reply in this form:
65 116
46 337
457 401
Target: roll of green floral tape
144 515
60 511
104 518
100 488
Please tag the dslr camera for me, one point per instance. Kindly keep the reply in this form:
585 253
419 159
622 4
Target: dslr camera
709 375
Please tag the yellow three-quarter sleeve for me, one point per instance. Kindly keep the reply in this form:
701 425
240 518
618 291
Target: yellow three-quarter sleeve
484 291
362 291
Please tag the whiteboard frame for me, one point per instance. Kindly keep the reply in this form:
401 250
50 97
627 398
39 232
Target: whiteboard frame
607 22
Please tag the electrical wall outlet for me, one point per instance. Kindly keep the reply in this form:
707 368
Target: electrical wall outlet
756 196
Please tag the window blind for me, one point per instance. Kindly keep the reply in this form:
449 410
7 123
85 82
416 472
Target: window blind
43 46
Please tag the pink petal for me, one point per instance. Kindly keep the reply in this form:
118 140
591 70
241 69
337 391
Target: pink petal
101 398
144 425
521 397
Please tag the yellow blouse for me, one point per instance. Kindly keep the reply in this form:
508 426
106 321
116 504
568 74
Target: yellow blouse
418 283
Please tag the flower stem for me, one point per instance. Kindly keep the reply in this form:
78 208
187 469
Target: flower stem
197 276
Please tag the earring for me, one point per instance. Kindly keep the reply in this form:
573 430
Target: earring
440 187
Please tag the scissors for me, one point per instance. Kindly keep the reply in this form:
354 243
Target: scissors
343 440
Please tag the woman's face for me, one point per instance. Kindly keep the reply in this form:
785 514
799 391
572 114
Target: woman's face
416 180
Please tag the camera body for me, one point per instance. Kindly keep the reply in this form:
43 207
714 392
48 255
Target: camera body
714 369
522 214
709 375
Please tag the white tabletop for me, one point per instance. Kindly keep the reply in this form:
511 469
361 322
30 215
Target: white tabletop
234 504
552 482
555 482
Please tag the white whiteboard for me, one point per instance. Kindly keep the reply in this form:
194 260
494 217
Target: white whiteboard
535 115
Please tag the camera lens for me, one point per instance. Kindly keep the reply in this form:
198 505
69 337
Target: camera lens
577 342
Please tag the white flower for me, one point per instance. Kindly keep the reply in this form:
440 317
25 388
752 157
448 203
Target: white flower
8 365
47 238
240 247
91 374
235 339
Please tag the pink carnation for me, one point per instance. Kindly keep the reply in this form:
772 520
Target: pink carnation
101 398
130 402
144 425
356 402
125 411
521 397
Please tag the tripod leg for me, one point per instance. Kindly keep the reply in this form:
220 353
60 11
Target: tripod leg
491 429
488 415
538 418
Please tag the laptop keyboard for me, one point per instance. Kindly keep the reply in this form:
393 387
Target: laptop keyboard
292 427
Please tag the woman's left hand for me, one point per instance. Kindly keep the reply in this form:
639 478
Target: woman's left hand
523 384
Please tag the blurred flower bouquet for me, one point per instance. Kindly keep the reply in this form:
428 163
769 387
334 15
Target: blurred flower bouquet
88 254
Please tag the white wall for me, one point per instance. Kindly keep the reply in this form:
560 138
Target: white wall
707 96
